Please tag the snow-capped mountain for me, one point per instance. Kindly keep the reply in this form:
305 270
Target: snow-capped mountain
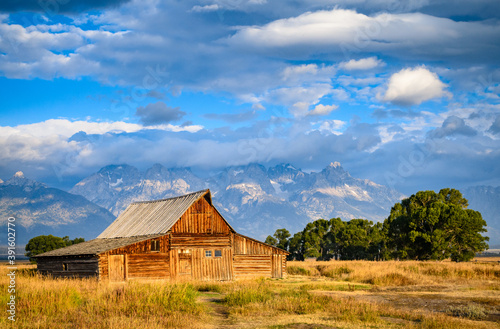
486 200
41 210
114 187
256 200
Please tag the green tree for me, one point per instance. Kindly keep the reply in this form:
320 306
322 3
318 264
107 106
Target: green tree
359 240
74 241
314 244
44 243
436 226
333 243
272 241
378 246
282 236
296 247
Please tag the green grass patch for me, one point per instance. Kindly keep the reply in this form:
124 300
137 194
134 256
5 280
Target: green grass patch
472 312
247 295
211 287
335 286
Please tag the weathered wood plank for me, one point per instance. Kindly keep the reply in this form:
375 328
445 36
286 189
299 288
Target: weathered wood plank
200 241
69 267
252 265
246 246
201 217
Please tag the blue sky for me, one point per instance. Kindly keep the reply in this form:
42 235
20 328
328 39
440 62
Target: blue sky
405 93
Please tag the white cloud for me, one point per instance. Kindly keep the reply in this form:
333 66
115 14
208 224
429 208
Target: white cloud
65 128
332 126
299 98
362 64
210 57
299 109
318 28
414 86
340 33
307 73
258 107
452 126
321 109
206 8
291 72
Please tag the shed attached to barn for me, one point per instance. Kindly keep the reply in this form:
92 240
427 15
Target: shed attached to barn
177 238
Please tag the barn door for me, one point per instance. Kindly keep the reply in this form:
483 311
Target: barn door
116 268
185 264
277 266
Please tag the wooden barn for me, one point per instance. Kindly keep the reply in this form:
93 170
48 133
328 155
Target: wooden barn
176 238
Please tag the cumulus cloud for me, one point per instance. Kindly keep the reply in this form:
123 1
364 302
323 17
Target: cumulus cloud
321 109
308 73
273 55
332 126
213 149
298 99
452 126
206 8
367 150
158 113
67 128
210 56
412 86
338 33
362 64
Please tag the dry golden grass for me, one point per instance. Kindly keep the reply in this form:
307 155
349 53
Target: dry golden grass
43 302
340 294
403 273
487 259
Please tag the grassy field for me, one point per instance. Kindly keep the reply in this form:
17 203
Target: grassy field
340 294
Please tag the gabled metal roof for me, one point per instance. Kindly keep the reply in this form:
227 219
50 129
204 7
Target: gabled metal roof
96 246
152 217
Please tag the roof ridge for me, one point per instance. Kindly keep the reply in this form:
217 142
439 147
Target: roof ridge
171 198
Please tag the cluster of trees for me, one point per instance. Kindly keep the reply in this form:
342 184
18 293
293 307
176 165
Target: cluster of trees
425 226
44 243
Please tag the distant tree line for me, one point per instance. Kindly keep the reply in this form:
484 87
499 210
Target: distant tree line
425 226
44 243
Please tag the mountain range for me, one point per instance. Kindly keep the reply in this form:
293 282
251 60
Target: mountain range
486 200
39 209
254 199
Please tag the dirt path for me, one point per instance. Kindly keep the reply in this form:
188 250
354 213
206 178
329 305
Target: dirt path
218 312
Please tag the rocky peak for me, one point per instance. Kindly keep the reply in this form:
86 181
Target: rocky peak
157 171
122 168
258 199
120 173
19 174
161 173
335 164
284 173
335 169
19 180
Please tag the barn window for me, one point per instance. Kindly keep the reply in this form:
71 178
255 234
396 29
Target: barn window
65 267
155 245
218 253
208 253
